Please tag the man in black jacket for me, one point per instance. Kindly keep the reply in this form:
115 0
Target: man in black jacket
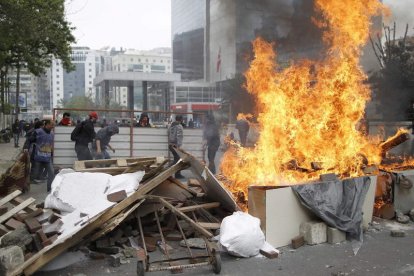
211 141
85 136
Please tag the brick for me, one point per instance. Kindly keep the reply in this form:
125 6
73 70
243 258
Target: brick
117 196
298 242
50 240
42 236
3 210
37 243
328 177
13 224
269 254
335 236
313 232
110 250
32 224
52 229
54 217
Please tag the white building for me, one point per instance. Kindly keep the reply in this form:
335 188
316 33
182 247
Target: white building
153 61
65 85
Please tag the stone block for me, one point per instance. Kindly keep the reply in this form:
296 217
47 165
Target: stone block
328 177
19 237
335 236
314 232
10 258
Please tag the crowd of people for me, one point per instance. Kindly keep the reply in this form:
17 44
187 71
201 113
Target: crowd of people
91 145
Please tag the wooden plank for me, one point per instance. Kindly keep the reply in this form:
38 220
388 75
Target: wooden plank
16 209
18 200
209 225
174 210
9 197
44 256
182 186
199 206
114 222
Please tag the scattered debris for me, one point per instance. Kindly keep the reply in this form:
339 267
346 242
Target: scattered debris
397 233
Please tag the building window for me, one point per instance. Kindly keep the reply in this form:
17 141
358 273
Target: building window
146 60
153 60
90 70
57 82
57 88
90 76
90 82
161 61
57 95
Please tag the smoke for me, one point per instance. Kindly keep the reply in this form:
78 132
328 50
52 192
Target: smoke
402 14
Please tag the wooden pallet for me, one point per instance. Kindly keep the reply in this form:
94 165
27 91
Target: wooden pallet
115 166
13 205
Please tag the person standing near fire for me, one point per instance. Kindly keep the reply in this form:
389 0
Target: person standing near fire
211 141
175 140
242 125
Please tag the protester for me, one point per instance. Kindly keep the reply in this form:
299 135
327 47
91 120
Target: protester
144 120
83 134
242 125
211 141
43 139
30 148
16 132
191 123
103 137
66 121
175 140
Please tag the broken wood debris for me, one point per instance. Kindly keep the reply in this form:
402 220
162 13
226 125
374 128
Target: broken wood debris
110 231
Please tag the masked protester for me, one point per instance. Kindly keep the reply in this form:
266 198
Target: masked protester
101 144
66 121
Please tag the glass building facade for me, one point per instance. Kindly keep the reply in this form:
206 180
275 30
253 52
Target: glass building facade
188 26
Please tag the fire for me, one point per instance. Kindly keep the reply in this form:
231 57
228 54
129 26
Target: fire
309 111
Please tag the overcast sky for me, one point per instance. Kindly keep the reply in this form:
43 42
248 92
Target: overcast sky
146 24
137 24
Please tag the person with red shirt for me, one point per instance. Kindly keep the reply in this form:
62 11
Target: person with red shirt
66 121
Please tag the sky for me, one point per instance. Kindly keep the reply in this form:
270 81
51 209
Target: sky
131 24
146 24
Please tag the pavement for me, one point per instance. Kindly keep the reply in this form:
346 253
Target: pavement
380 254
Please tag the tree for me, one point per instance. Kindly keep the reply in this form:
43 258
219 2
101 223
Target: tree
32 33
393 84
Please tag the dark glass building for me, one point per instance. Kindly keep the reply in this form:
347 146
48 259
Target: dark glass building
188 32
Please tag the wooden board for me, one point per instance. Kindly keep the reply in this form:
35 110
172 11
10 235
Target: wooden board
16 209
215 191
9 197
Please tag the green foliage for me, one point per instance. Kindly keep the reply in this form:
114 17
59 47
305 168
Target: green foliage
32 32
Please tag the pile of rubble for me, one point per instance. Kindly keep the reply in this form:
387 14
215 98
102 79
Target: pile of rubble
162 212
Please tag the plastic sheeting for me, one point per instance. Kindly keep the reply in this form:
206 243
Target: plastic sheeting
338 203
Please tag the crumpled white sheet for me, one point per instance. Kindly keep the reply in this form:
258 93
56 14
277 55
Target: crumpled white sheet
74 193
240 235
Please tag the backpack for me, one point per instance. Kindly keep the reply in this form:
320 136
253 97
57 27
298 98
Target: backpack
74 136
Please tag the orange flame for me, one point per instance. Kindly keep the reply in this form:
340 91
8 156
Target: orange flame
308 112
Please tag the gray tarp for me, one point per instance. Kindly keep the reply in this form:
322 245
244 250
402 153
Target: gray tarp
337 203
